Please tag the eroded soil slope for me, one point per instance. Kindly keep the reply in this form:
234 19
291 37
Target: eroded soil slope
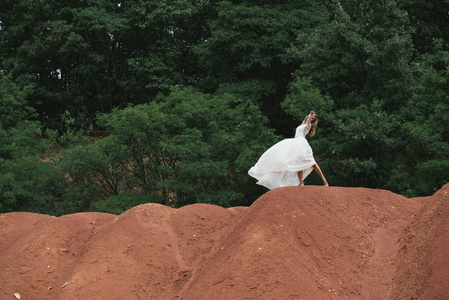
292 243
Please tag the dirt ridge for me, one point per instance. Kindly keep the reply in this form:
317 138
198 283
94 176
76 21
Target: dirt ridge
293 243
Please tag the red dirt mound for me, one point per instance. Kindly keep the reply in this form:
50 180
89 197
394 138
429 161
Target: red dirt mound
423 265
292 243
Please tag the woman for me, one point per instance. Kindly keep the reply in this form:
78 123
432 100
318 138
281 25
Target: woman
289 162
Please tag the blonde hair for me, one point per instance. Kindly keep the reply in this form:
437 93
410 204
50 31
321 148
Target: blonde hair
313 125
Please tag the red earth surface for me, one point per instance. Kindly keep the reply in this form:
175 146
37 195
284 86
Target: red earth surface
307 242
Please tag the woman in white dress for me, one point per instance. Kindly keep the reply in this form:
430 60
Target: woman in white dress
290 161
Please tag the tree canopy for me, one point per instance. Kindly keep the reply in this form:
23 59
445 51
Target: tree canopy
125 102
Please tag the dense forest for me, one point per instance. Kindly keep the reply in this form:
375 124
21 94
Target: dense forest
109 104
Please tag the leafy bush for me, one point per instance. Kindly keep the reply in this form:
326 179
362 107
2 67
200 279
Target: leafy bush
430 176
26 182
18 130
401 182
94 172
120 203
73 132
190 147
29 185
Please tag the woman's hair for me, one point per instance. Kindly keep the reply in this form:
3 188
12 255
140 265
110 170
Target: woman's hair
312 125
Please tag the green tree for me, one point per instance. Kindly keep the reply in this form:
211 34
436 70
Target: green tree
247 55
90 56
18 130
303 97
425 129
159 45
358 70
365 141
31 185
95 172
192 147
179 149
363 53
354 147
26 182
67 50
429 19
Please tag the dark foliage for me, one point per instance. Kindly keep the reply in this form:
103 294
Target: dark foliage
108 104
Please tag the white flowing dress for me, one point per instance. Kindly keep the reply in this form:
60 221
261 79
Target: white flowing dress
280 164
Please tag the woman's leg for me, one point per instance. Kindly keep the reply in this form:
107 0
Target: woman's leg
318 170
301 183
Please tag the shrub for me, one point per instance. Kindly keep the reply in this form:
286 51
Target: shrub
29 185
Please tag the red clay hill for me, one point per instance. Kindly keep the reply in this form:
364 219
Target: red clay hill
293 243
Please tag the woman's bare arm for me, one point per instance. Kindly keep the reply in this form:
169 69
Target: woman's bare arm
309 118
